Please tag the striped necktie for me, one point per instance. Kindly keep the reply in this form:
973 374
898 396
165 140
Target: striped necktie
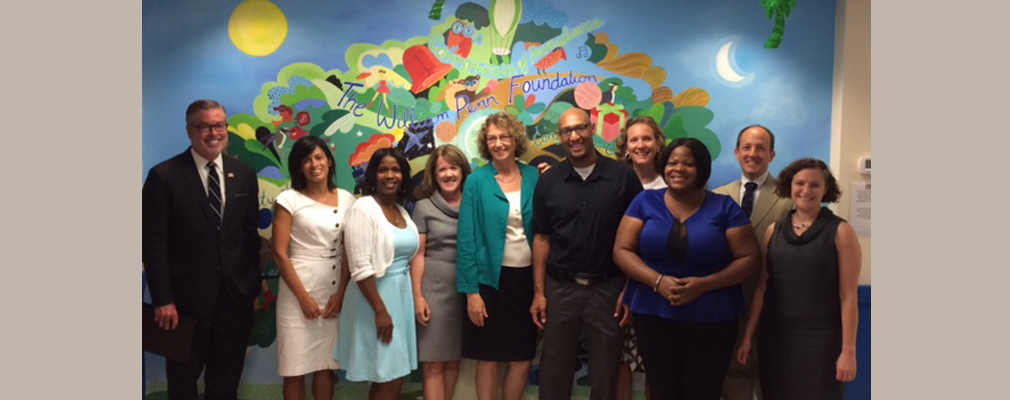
214 193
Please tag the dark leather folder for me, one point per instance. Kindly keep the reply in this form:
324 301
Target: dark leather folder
175 344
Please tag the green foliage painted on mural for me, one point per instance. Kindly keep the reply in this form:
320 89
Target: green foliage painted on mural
238 147
436 10
333 121
532 33
693 122
780 9
521 111
402 97
597 51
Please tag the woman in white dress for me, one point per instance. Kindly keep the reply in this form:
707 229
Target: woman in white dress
307 238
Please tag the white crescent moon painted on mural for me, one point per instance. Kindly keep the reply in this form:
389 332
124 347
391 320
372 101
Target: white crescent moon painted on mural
723 66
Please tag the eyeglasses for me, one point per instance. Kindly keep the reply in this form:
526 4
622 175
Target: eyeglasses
577 129
502 139
204 128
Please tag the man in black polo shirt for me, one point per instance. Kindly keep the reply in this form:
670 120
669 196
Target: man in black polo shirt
577 206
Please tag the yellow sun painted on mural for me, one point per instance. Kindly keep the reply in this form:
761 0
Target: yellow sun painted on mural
257 27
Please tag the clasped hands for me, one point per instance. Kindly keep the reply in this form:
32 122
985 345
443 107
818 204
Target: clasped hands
681 291
311 310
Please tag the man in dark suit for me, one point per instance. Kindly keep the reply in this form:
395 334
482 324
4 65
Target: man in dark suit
755 192
201 253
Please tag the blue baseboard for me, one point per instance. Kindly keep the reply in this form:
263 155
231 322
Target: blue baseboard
859 389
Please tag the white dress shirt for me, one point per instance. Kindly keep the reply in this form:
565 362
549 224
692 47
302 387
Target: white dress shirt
201 168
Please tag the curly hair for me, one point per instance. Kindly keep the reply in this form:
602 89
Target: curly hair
372 172
784 185
451 154
621 143
508 123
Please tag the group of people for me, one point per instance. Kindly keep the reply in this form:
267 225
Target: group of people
659 274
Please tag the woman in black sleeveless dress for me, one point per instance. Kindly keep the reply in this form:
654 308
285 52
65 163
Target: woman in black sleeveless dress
805 298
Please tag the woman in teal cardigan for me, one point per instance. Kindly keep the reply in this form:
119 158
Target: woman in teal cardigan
494 257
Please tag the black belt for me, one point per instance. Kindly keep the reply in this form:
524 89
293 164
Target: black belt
580 278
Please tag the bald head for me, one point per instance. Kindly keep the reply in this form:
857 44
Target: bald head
575 112
575 132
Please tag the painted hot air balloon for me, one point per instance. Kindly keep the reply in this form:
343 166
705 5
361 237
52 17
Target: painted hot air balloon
505 16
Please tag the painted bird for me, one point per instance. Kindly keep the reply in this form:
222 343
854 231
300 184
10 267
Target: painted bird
459 38
608 98
548 61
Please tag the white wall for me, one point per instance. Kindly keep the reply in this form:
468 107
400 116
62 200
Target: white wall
850 125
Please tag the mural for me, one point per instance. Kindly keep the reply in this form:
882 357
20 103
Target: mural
421 74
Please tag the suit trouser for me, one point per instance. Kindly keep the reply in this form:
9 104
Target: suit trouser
571 307
219 342
742 381
684 360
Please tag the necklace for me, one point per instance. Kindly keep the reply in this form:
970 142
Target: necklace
399 218
385 210
500 178
798 226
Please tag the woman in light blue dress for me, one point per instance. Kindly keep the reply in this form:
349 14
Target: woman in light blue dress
378 342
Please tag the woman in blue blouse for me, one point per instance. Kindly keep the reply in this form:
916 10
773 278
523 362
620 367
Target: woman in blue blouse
494 256
686 250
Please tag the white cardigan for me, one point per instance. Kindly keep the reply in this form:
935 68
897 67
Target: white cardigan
368 238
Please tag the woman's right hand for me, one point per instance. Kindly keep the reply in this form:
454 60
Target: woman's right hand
743 353
421 311
475 309
665 288
309 307
384 327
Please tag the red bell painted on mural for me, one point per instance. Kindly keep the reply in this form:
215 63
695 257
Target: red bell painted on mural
424 69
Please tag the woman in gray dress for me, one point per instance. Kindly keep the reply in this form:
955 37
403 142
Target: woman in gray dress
437 306
805 309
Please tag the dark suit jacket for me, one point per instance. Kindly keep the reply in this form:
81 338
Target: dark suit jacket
184 256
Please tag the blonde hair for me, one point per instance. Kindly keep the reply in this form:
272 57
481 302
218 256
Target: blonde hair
621 143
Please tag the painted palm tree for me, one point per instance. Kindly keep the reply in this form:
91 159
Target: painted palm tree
436 10
780 9
505 16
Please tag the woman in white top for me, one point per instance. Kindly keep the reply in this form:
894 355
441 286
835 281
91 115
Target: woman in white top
639 144
307 238
379 339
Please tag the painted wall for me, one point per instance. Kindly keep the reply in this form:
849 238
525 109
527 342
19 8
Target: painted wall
342 66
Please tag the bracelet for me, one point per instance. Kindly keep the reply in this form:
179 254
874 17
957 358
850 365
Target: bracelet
655 286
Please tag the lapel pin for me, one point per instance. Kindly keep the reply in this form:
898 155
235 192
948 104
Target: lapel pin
231 175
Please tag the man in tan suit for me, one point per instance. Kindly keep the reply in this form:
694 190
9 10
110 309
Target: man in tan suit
755 192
